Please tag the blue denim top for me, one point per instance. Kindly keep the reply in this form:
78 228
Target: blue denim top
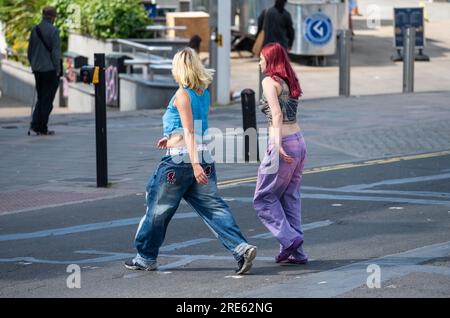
200 109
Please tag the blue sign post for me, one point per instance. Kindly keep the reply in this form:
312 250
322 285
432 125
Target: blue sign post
151 9
403 19
318 29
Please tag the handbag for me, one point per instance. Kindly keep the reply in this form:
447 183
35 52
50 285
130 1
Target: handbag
61 68
257 47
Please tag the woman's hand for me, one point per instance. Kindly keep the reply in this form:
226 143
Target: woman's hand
200 174
162 143
285 157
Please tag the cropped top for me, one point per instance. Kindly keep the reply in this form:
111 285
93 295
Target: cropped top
288 104
200 109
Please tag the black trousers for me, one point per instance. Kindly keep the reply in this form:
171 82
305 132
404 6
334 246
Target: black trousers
46 86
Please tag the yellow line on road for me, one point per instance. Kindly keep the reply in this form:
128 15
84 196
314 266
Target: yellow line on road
345 166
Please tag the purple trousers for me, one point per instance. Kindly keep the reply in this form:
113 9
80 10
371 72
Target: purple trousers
277 194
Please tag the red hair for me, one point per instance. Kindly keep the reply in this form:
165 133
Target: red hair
278 64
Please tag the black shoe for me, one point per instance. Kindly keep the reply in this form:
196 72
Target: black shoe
133 265
48 133
245 264
34 131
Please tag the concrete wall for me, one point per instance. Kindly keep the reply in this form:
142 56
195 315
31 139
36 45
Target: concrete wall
81 98
17 81
136 93
88 46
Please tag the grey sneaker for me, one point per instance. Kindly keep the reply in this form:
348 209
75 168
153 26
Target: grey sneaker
133 265
245 264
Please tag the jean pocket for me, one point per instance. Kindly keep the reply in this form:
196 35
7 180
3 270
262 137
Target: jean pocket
209 170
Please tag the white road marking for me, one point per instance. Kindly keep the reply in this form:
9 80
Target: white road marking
305 227
346 278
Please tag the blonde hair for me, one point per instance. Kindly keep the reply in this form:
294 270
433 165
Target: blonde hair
188 71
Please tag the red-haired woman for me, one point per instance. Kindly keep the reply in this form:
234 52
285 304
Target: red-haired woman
277 193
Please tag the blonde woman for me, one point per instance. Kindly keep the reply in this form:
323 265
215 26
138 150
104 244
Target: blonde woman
187 171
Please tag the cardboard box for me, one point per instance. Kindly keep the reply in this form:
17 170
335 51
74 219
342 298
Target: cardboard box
195 22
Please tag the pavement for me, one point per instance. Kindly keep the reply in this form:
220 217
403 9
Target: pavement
368 128
375 193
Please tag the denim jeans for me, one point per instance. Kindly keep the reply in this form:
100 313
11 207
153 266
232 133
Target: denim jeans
277 199
172 182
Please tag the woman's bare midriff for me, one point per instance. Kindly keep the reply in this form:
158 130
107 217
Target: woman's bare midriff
176 141
287 129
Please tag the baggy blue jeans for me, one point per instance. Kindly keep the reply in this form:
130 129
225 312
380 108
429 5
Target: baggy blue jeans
172 182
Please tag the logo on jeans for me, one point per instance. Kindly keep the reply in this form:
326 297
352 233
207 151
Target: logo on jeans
208 171
171 177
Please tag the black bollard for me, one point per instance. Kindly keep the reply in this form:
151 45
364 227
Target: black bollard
249 122
100 122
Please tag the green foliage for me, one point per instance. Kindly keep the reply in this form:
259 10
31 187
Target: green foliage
69 18
18 17
114 19
99 19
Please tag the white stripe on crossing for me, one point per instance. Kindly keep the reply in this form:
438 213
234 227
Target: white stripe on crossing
305 227
346 278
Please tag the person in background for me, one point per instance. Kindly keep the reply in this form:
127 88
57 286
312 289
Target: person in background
352 10
195 44
44 54
355 9
277 25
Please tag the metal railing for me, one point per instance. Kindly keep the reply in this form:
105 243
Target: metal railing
142 47
142 55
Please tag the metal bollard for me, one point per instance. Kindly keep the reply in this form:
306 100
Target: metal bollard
409 44
100 123
249 121
344 62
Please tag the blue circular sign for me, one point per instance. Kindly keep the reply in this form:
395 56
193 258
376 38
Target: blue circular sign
318 29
